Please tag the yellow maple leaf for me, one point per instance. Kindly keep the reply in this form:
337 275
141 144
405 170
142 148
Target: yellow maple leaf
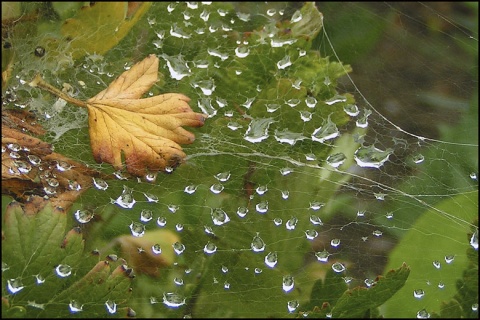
147 132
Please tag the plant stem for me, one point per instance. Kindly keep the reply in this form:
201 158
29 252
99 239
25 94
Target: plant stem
39 82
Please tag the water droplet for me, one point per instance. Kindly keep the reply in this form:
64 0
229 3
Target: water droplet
337 159
441 285
33 304
224 269
177 66
315 220
369 282
137 229
335 242
75 306
219 217
178 247
289 137
248 103
126 200
223 176
39 279
363 121
418 158
327 131
277 221
292 305
258 270
15 285
288 283
146 215
310 157
285 171
291 223
173 208
351 110
293 102
23 166
120 176
338 267
474 240
207 86
63 270
306 116
178 281
210 248
151 197
322 256
161 221
272 107
285 194
336 99
156 249
475 307
205 15
311 234
217 53
297 16
418 293
242 212
242 52
14 146
284 63
34 160
262 207
423 314
437 264
271 259
232 125
49 190
100 184
310 101
257 244
111 306
151 176
371 157
261 190
173 300
226 285
205 104
316 205
83 216
377 233
217 188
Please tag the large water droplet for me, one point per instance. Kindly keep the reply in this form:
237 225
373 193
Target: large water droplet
336 99
289 137
437 264
261 190
205 15
277 42
156 249
223 176
219 217
271 259
418 293
297 16
310 101
207 86
322 256
474 240
75 306
126 200
111 306
311 234
242 212
371 157
39 279
190 189
100 184
217 53
63 270
146 215
338 267
291 223
423 314
177 66
205 104
151 197
242 52
15 285
83 216
257 244
284 63
262 207
351 110
34 159
161 221
23 166
418 158
337 159
173 300
288 283
335 242
210 248
315 220
327 131
292 305
137 229
178 247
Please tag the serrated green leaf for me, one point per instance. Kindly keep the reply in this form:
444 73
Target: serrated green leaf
358 301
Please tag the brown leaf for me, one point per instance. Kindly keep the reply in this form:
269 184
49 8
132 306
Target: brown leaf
148 131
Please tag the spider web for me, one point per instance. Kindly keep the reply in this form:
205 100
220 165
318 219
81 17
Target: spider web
293 173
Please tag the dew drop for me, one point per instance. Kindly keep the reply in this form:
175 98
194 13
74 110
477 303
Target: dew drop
297 16
475 307
242 212
418 158
288 283
207 86
39 279
137 229
177 66
178 281
75 306
473 176
63 270
173 208
232 125
306 116
327 131
335 242
311 234
151 176
310 157
100 184
223 176
363 121
151 197
293 102
219 217
33 304
389 215
216 188
441 285
258 270
278 43
271 259
338 267
257 244
126 200
161 221
205 104
242 52
371 157
272 107
262 207
335 160
351 110
316 205
217 53
369 282
315 220
285 171
83 216
277 221
322 256
377 233
336 99
285 194
285 136
23 166
437 264
204 15
146 215
284 63
210 248
14 146
291 223
173 300
292 305
418 293
179 227
34 160
310 101
156 249
15 285
224 269
423 314
111 306
261 190
178 247
474 240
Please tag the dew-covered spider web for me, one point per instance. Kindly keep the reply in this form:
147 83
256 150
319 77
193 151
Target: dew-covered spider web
341 141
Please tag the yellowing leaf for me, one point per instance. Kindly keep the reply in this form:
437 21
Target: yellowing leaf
148 131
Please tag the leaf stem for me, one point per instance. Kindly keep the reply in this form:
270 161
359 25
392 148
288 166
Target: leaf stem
39 82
